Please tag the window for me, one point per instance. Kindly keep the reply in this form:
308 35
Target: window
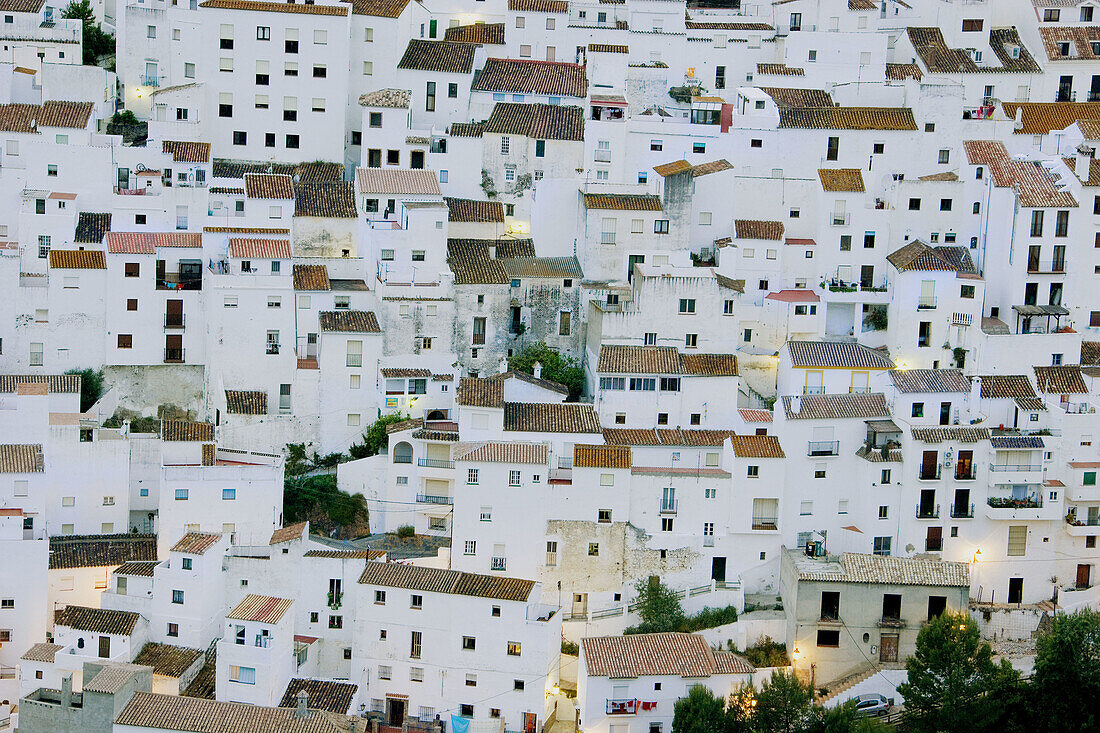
243 675
564 323
1037 223
966 291
918 409
416 601
698 148
687 306
177 596
945 204
1061 224
320 71
514 648
240 137
882 545
1017 541
471 475
380 597
944 157
470 547
660 226
828 637
593 549
833 148
691 340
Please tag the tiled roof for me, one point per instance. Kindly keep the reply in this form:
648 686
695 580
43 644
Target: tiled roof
471 210
259 249
336 697
268 185
466 129
1080 40
97 620
288 533
498 452
166 659
794 296
568 417
945 433
531 379
929 380
111 679
433 580
1040 118
345 554
187 152
389 98
541 121
901 72
100 550
57 383
471 263
311 278
483 33
601 456
199 715
315 171
780 70
393 373
186 430
78 259
836 354
332 200
755 229
671 653
607 48
399 182
682 166
42 652
1090 354
919 257
146 243
730 283
442 56
838 406
478 392
1006 386
847 118
932 49
638 359
789 97
1035 185
137 568
526 76
275 7
541 267
751 415
21 458
261 609
848 180
1060 380
511 248
666 436
887 570
349 321
63 114
21 6
1016 441
91 227
379 8
196 543
709 365
539 6
756 446
622 202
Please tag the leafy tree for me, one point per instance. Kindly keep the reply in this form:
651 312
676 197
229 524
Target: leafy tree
784 705
91 386
700 712
555 367
767 652
96 42
376 440
658 607
950 677
317 498
844 719
1066 682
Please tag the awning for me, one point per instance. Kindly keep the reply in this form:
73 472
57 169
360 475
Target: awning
883 426
1041 310
606 100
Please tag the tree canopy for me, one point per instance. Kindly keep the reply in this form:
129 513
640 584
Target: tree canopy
96 42
555 367
376 439
1066 682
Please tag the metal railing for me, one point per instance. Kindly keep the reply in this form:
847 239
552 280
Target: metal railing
926 302
173 320
498 563
823 448
1014 467
966 475
434 499
174 356
927 512
668 506
839 220
765 523
273 348
813 390
354 360
962 511
621 706
434 463
1086 522
1005 502
929 475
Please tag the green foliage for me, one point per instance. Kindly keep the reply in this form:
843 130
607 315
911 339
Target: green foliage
1066 681
555 367
658 607
683 94
375 440
91 386
96 42
876 319
784 705
487 184
406 531
950 677
700 712
317 498
125 117
845 719
570 647
709 618
767 652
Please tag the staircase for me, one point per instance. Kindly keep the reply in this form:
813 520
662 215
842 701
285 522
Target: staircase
846 683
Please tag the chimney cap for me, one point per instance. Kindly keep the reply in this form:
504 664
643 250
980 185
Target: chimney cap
303 704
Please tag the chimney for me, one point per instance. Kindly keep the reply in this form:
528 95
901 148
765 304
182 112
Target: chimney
302 711
796 404
503 366
67 690
538 370
1019 117
975 394
1083 161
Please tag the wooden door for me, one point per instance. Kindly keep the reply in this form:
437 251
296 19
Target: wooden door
173 313
105 647
173 347
530 721
1084 575
888 648
928 464
965 464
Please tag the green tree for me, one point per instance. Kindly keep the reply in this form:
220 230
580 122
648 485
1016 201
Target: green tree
658 607
844 719
91 386
555 367
700 712
950 677
784 705
376 439
1066 682
96 42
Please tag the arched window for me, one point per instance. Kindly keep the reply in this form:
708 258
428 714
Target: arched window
402 453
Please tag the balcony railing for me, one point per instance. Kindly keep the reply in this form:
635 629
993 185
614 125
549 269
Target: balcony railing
962 511
928 512
174 356
622 707
434 499
354 360
1087 522
838 220
1052 267
668 506
272 348
1007 502
498 563
926 302
434 463
813 390
968 475
602 156
402 459
927 474
893 622
173 281
1014 467
765 523
823 448
173 320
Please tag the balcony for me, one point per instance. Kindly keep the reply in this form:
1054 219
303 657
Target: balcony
434 463
891 622
602 156
622 707
813 390
499 564
335 599
174 356
962 511
175 281
765 523
273 348
150 81
434 499
1049 267
1077 527
823 448
1015 473
926 302
839 220
173 320
1030 507
668 506
968 475
929 474
928 512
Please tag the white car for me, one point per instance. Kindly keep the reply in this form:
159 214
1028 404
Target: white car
872 704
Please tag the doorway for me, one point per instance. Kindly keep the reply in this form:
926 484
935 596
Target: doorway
173 314
395 711
1015 590
105 647
945 413
718 569
888 648
173 347
927 507
1084 576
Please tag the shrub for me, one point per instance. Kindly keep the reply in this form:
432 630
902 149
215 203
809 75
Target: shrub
406 532
570 647
375 440
91 386
555 367
767 652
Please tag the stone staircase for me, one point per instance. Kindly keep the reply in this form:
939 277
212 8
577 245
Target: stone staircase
846 683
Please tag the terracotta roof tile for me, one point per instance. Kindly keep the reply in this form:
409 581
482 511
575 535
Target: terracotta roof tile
836 354
638 360
554 417
57 383
97 620
750 229
345 554
239 402
1036 187
541 121
709 365
642 655
137 568
64 114
483 33
21 458
841 179
961 434
394 373
919 257
1060 380
752 415
100 550
1040 118
900 72
1090 353
500 452
303 172
166 659
756 446
259 249
471 263
397 181
622 202
288 533
433 580
601 456
886 570
387 98
275 7
526 76
379 8
174 430
146 243
779 70
1006 386
541 267
147 710
789 97
847 118
466 129
77 259
331 200
608 48
693 25
336 697
794 296
269 185
539 6
261 609
933 51
311 278
441 56
187 152
42 652
91 227
349 321
838 406
929 380
1078 38
480 392
196 543
471 210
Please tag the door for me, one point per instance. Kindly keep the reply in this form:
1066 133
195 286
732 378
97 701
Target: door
1031 293
630 262
961 507
866 276
173 347
929 463
1094 91
105 647
395 711
888 648
529 722
945 413
123 178
151 74
1065 89
964 468
1015 590
927 508
416 159
580 604
933 540
718 569
311 346
1084 575
173 314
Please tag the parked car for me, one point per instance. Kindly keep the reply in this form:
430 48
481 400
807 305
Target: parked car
872 704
